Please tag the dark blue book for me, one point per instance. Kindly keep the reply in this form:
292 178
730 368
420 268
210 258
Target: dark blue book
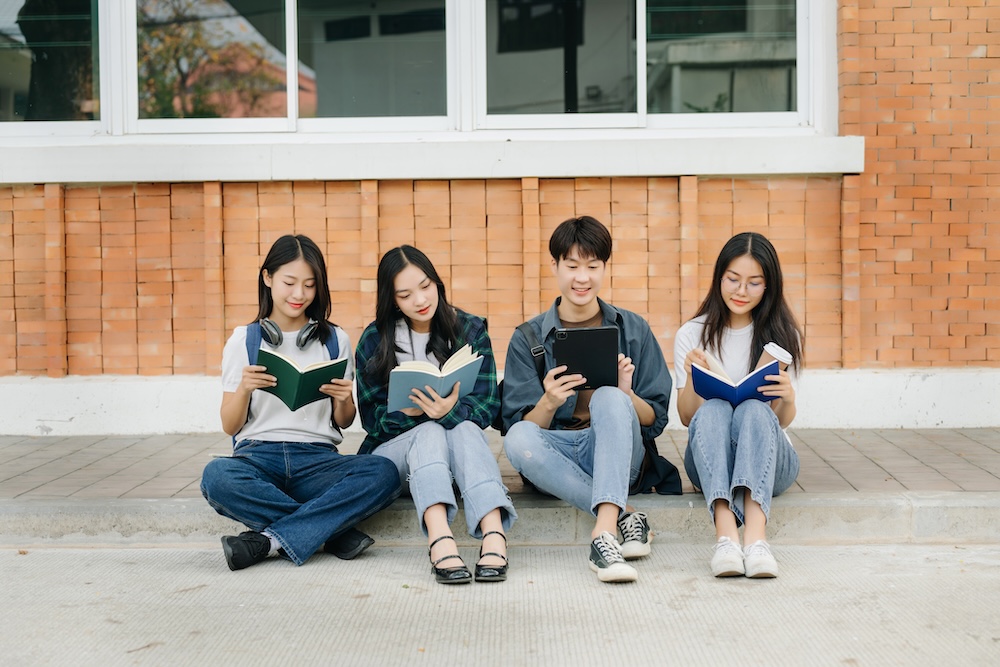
716 384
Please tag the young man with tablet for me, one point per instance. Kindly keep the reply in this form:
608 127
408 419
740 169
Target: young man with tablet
585 446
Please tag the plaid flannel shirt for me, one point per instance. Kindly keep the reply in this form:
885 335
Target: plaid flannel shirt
479 407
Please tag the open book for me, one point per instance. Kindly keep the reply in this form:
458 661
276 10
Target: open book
299 386
463 366
713 382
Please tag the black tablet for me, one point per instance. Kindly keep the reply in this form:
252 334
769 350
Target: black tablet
590 351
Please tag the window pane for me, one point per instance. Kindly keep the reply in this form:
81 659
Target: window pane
373 59
720 56
211 59
48 60
533 68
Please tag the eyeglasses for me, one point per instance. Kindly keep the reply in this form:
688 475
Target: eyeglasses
754 288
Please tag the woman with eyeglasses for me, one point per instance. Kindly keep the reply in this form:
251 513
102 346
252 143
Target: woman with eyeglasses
739 456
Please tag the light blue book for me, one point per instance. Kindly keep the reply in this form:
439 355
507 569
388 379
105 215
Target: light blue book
463 366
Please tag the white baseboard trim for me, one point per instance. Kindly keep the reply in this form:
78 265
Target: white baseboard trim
129 405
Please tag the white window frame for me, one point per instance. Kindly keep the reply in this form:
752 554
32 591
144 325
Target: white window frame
466 143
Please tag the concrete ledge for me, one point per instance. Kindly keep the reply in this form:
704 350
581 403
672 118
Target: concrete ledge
800 518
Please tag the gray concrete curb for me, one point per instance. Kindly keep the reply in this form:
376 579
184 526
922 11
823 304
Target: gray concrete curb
800 518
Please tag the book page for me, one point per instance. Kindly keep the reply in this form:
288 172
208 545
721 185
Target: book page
422 366
301 369
715 366
461 357
321 364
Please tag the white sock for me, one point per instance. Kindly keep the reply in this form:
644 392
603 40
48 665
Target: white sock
275 545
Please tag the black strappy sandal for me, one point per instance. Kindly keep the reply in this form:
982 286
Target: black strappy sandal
449 575
492 572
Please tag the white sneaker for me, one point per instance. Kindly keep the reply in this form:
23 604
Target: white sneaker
758 561
727 561
636 535
607 561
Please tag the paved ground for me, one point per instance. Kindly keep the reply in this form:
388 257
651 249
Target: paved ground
889 548
858 606
169 466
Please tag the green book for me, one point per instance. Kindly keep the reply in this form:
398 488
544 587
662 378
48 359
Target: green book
299 386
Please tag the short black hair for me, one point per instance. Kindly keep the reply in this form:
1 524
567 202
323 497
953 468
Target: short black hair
589 235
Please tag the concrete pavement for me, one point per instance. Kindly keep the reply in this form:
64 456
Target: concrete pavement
832 605
889 547
890 485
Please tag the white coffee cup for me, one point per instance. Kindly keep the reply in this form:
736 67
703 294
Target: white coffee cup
773 351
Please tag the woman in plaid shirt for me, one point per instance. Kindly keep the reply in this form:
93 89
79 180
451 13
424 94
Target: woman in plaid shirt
439 437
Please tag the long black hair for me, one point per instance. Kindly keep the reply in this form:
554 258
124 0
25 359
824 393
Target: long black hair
772 318
288 249
444 323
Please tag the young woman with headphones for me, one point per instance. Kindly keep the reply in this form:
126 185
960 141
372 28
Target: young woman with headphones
286 480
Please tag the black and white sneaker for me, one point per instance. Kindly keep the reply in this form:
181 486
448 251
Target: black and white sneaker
636 535
607 561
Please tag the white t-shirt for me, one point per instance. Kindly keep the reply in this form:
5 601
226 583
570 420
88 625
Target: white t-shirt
734 355
270 419
412 344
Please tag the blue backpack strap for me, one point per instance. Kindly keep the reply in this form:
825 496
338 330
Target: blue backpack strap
254 336
332 344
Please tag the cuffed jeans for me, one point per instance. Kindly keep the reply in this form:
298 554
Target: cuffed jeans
428 456
301 493
746 447
585 467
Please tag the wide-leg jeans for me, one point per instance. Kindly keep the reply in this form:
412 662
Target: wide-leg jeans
301 493
742 447
428 456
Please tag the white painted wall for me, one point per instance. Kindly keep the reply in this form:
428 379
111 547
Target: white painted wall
119 405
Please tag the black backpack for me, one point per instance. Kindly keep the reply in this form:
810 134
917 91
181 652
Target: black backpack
656 472
538 355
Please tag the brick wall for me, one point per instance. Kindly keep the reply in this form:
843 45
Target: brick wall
896 267
920 80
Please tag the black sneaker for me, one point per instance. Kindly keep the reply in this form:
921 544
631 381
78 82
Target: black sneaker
245 549
635 535
348 544
606 560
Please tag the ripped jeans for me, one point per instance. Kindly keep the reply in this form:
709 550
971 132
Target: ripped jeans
428 456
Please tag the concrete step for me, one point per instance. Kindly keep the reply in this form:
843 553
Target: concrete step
799 518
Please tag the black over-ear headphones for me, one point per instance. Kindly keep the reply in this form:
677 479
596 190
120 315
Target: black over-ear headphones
271 333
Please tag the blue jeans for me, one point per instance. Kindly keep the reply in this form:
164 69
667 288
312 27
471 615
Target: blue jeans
728 449
585 467
301 493
429 455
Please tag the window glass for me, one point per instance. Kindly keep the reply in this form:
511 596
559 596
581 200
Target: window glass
720 56
48 60
211 59
371 59
560 56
